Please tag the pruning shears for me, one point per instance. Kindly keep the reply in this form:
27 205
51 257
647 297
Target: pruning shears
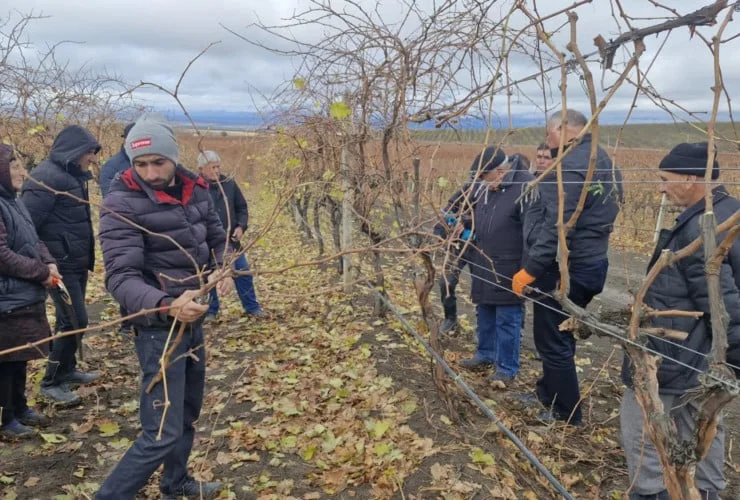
66 300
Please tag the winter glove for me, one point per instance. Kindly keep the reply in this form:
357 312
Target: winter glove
466 235
521 280
451 220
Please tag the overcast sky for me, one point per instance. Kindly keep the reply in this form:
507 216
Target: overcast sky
152 40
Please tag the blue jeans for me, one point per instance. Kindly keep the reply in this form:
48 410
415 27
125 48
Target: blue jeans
244 288
499 336
185 385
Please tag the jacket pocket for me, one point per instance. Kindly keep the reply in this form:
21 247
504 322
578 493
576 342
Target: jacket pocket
66 247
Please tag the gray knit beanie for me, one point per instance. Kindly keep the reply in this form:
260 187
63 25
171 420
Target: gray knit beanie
206 157
151 135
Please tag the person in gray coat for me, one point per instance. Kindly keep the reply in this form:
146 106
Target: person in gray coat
682 287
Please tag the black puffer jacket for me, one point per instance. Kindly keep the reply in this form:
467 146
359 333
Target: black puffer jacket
62 222
143 267
683 287
588 241
498 223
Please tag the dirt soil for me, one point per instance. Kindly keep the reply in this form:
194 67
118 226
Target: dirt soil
325 400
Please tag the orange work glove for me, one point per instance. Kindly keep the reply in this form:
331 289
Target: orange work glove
521 280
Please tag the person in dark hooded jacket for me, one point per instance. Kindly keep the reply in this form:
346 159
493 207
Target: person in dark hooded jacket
683 287
26 268
56 196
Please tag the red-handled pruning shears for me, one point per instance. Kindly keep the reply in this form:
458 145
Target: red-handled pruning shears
69 310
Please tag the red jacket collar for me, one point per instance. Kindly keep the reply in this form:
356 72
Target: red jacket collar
132 181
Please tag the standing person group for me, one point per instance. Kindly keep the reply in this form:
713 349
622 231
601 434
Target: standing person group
515 248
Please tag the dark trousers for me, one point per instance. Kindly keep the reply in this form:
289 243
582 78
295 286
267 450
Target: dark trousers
558 387
185 384
62 360
448 283
12 390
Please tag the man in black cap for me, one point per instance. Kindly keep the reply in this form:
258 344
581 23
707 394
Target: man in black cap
683 287
499 222
115 165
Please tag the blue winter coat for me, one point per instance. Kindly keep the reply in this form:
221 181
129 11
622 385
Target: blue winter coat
115 165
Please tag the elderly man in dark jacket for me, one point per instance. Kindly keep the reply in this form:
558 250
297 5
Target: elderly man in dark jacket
159 229
498 224
26 267
232 209
56 196
588 243
682 287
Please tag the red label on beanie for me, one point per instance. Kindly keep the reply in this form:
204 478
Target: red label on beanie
141 143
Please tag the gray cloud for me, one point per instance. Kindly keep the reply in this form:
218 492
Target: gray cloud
152 40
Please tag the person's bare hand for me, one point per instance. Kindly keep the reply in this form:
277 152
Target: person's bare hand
237 234
53 276
225 286
185 309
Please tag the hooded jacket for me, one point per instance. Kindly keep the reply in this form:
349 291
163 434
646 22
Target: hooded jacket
588 241
144 264
62 222
683 287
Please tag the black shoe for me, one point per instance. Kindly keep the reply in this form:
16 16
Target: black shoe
33 418
501 377
78 378
448 326
526 398
259 314
195 489
15 430
475 364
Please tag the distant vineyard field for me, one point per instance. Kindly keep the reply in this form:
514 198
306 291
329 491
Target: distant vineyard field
640 136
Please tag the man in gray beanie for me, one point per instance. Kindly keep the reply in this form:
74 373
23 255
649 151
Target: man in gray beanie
683 287
158 230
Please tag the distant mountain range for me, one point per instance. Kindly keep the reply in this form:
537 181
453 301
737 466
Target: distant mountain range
250 120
